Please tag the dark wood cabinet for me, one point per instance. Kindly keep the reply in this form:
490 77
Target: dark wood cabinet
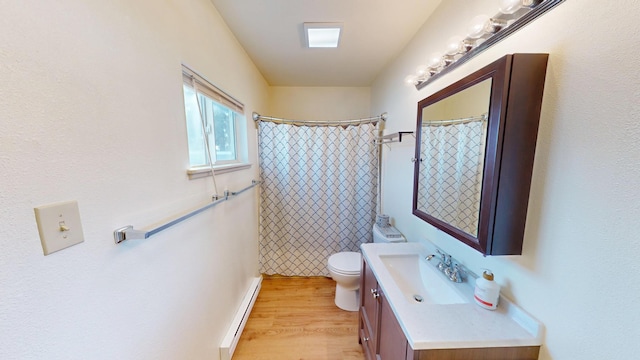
392 344
503 353
382 337
380 333
369 312
514 102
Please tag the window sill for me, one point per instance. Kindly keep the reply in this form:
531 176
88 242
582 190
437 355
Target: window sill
200 172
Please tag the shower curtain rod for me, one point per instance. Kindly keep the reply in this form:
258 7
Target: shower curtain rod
482 117
257 117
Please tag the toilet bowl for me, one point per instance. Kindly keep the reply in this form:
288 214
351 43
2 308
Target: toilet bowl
344 268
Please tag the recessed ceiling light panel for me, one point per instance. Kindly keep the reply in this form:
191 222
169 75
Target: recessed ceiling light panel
322 35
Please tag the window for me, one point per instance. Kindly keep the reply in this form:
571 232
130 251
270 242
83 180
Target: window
224 125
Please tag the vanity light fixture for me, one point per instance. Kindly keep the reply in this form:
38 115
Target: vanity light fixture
322 35
483 32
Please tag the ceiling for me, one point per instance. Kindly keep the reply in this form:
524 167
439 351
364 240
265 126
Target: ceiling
375 31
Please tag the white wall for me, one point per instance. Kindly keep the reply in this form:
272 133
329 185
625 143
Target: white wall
91 109
579 273
319 103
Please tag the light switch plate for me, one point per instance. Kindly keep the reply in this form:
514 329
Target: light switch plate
59 226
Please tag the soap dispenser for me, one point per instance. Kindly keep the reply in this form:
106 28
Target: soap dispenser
487 291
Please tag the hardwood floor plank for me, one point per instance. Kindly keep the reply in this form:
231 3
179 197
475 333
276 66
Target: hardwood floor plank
294 318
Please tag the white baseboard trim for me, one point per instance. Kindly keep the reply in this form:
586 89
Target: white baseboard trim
230 341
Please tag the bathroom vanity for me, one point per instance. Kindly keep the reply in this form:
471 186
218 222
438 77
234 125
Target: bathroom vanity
407 312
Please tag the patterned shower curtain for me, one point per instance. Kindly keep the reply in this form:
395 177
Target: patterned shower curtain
318 196
451 173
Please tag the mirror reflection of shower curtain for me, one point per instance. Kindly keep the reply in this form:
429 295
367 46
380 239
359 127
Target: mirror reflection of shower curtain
451 173
318 196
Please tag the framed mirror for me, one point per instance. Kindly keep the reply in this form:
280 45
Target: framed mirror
475 146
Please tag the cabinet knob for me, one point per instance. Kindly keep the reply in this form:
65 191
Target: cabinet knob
374 293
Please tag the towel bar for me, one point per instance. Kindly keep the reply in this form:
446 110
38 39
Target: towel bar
129 233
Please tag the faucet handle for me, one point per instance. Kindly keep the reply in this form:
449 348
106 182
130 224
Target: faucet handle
445 258
458 273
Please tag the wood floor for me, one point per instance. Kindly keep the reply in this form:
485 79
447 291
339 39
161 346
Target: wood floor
295 318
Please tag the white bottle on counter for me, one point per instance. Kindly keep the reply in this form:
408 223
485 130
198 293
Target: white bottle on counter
487 291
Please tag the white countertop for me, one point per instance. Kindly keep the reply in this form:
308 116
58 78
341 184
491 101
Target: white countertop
437 326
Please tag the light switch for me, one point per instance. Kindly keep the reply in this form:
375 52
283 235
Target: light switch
59 226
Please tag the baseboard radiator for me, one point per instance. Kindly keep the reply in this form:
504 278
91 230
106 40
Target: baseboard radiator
228 345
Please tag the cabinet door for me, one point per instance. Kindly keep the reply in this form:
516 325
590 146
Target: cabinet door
512 89
369 310
392 344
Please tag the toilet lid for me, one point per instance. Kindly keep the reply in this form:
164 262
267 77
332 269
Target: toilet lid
347 262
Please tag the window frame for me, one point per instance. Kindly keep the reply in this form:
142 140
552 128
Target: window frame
203 87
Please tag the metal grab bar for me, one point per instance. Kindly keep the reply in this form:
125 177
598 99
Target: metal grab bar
129 233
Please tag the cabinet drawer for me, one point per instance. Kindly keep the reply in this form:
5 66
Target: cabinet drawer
504 353
366 340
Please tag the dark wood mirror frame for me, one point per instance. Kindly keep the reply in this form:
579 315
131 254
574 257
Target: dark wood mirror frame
512 131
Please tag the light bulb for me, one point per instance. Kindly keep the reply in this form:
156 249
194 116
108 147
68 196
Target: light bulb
454 45
411 80
476 29
509 6
422 70
435 61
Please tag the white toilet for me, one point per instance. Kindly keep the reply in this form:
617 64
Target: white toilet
344 268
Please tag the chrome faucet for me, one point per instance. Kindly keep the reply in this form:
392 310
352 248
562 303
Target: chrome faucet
445 260
455 273
450 268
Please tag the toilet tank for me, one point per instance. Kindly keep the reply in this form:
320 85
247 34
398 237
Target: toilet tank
387 234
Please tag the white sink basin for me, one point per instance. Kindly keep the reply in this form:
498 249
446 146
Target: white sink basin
421 282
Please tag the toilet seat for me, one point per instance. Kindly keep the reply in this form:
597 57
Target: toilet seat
346 273
346 263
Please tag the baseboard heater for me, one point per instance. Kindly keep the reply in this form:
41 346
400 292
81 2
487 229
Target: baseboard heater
228 345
